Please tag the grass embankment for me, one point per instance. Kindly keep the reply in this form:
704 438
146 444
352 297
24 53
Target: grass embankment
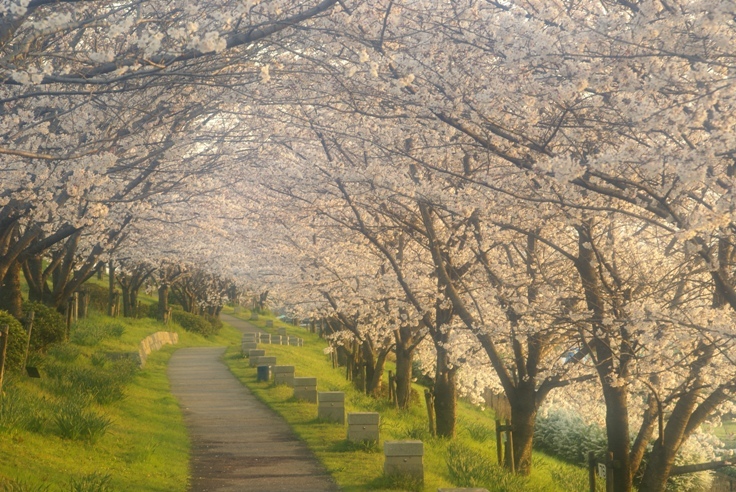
96 424
468 460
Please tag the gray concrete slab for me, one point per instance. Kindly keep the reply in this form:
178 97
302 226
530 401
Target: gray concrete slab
238 443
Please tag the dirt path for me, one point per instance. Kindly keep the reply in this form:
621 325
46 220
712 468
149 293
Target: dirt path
238 443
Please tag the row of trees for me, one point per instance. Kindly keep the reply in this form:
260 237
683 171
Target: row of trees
531 196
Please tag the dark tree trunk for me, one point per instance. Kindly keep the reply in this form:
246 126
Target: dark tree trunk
404 360
111 299
11 298
128 309
617 432
163 302
445 396
523 418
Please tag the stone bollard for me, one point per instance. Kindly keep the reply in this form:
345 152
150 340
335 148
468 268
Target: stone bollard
254 316
301 342
265 338
305 389
276 339
250 337
404 458
363 426
283 375
253 354
331 406
247 347
282 331
263 372
269 323
294 341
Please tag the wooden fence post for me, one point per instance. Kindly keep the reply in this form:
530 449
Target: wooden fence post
31 316
429 399
4 335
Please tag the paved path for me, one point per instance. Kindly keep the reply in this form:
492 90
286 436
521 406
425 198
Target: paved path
238 443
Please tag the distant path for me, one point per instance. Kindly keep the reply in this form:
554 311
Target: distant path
238 443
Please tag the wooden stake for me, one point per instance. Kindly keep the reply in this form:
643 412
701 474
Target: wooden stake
31 316
4 335
591 470
429 399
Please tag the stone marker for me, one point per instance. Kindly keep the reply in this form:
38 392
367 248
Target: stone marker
265 338
305 389
276 339
331 406
250 337
254 316
294 341
404 458
247 347
252 354
282 331
363 426
283 375
262 360
269 323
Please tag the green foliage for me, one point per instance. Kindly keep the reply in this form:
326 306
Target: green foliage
7 485
104 386
48 325
77 422
192 322
144 309
65 352
468 468
567 436
90 332
16 341
99 296
153 309
215 321
94 482
479 432
21 411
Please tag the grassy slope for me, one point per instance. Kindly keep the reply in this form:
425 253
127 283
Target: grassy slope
146 448
361 469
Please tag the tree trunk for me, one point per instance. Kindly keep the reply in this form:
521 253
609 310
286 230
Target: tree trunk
617 432
445 397
111 290
163 301
658 469
11 298
404 360
127 307
523 419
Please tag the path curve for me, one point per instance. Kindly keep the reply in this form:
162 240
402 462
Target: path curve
238 443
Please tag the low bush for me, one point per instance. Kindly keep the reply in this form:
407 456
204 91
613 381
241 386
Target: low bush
215 321
65 352
17 340
469 469
48 325
567 436
192 322
99 297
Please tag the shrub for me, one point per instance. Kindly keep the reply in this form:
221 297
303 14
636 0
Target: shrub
16 341
78 423
192 322
144 308
21 410
567 436
469 469
215 321
153 309
479 432
99 297
48 325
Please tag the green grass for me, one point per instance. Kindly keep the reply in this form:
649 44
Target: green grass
360 468
144 445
